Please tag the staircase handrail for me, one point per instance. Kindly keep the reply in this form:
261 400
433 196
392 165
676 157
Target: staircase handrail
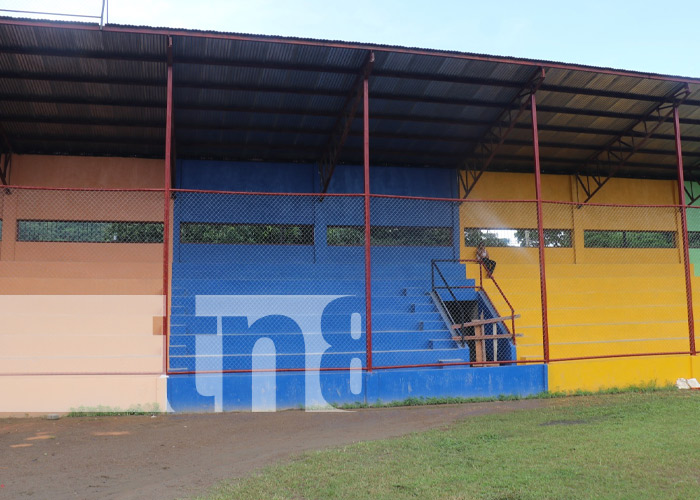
434 266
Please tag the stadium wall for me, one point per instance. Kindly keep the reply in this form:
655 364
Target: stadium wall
602 301
82 322
116 361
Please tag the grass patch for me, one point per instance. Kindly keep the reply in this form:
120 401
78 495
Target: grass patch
109 411
647 388
640 445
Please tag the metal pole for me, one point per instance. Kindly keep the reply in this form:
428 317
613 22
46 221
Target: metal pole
684 229
166 204
368 262
540 230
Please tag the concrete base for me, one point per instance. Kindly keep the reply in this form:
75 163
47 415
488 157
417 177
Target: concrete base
43 394
285 390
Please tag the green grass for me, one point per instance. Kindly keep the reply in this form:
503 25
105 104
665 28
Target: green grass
651 387
635 445
109 411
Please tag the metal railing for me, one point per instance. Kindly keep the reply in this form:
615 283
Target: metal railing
434 266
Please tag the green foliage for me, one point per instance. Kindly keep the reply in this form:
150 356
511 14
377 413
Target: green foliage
553 238
109 411
693 239
629 239
345 236
403 236
474 236
134 232
246 234
526 238
90 231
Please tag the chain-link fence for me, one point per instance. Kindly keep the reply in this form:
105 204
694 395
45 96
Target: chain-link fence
433 302
262 281
622 292
81 279
277 282
693 246
267 282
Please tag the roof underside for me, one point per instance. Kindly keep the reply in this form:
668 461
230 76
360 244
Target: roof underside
72 89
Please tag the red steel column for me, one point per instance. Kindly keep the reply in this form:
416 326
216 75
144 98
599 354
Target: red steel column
684 229
540 230
166 204
368 261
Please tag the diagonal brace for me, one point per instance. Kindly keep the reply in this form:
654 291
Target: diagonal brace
694 180
487 148
6 156
617 152
341 129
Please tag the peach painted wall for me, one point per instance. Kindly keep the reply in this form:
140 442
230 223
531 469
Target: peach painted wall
111 321
86 172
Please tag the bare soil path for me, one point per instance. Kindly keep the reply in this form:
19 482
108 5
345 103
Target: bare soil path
175 456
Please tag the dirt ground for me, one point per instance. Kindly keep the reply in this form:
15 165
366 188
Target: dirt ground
178 456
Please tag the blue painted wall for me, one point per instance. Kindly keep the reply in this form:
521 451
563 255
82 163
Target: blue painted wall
382 385
407 328
304 178
296 178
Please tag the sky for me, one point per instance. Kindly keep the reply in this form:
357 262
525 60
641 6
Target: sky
641 35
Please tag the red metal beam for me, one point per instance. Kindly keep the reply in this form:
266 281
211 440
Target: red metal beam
166 209
88 101
488 146
684 229
540 230
318 131
618 151
341 45
296 91
307 153
329 159
368 242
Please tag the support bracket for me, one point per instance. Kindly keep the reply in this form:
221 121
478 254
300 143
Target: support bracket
341 129
693 194
6 157
485 151
617 152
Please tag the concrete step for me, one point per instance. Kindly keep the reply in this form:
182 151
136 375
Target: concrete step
432 325
444 344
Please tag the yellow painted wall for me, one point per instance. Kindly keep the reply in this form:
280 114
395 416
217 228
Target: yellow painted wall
595 374
110 320
600 301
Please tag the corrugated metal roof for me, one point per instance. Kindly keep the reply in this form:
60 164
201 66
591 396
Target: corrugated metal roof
70 88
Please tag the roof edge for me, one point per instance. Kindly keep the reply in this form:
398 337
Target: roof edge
147 30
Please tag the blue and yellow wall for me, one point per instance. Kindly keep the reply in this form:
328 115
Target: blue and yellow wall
601 301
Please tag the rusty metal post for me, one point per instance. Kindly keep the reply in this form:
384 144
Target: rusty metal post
368 261
540 229
166 204
684 229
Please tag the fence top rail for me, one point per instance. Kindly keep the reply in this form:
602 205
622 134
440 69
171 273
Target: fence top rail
88 189
265 193
339 195
613 205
